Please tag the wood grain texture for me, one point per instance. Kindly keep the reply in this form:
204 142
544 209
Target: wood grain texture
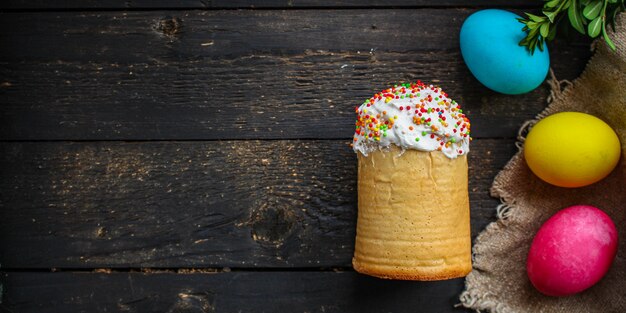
341 292
243 204
247 4
280 213
205 75
138 36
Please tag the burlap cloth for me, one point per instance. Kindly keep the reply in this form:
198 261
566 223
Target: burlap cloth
498 282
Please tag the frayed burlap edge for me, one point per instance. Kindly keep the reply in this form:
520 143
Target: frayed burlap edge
475 295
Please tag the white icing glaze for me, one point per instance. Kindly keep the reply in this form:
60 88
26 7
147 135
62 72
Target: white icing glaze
412 116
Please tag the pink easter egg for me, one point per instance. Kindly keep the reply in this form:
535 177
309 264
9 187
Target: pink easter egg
572 251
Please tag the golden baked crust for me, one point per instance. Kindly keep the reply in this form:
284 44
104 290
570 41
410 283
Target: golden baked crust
413 219
416 273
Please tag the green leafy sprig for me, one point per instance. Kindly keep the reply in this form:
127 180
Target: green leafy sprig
588 17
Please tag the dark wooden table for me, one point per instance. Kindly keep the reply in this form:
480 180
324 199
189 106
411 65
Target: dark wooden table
193 156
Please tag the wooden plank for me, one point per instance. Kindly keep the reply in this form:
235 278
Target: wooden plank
244 204
167 36
310 96
235 74
244 4
343 292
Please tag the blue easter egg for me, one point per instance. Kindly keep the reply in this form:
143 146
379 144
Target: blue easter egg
490 47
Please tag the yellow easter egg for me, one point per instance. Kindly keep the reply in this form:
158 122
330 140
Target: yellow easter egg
572 149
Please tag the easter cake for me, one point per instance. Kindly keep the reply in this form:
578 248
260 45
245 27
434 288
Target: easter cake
413 207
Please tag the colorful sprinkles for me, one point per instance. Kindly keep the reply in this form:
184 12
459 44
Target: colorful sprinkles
412 115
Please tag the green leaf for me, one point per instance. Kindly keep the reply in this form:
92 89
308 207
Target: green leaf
552 34
536 18
592 10
606 36
540 43
612 1
552 3
550 15
544 30
575 18
594 28
607 39
531 39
